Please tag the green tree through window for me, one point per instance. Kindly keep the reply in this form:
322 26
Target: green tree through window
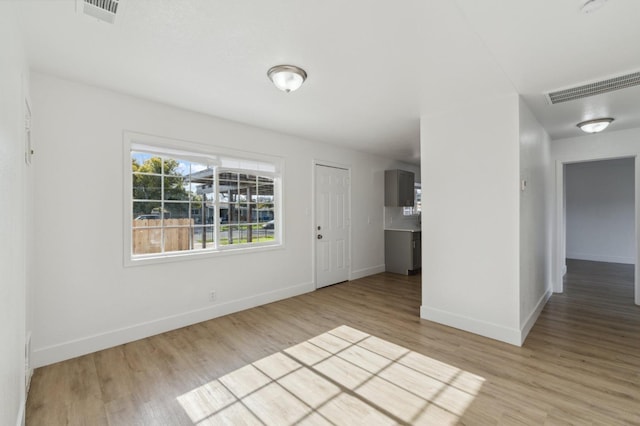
147 185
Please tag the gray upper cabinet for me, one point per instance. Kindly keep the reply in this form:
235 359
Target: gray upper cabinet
399 188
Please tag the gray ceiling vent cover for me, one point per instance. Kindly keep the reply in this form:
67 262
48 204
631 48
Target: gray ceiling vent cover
104 10
595 88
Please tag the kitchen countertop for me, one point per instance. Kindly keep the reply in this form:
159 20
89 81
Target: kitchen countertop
404 229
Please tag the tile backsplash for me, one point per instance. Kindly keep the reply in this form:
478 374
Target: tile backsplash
395 219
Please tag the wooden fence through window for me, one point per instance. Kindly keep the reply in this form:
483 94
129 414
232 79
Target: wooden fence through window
147 235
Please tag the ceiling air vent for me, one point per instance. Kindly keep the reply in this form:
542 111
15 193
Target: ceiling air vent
104 10
596 88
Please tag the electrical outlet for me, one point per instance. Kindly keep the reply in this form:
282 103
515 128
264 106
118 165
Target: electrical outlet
212 296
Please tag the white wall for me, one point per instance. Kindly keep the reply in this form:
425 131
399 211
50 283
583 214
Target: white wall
14 220
536 218
600 210
86 300
470 218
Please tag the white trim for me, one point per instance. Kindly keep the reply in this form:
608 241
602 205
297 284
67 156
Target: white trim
85 345
361 273
636 171
559 257
333 164
22 410
483 328
192 150
533 317
204 149
27 365
200 255
26 132
560 235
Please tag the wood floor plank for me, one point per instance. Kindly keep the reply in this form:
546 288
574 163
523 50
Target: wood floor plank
579 365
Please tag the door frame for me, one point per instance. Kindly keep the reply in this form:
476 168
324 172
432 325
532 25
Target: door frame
559 263
335 165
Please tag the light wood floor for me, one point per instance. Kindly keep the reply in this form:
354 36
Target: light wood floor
579 365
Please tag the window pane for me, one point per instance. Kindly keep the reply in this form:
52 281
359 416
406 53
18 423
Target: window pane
176 188
246 187
265 232
264 212
202 170
146 214
233 215
266 185
138 159
147 187
244 213
146 163
247 204
228 187
172 167
224 213
201 173
203 237
233 234
202 213
177 210
265 191
146 241
181 168
177 238
203 188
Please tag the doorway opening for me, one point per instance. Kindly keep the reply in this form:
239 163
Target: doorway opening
597 214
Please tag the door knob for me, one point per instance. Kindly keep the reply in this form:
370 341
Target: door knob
319 236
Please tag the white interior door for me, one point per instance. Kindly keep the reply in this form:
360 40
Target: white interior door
332 225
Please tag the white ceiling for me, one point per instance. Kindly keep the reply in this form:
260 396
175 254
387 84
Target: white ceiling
375 66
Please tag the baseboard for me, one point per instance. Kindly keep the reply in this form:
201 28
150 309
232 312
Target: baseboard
78 347
483 328
361 273
20 421
28 369
29 377
601 258
533 317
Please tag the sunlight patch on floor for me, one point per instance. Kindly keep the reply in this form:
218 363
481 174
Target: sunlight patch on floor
343 376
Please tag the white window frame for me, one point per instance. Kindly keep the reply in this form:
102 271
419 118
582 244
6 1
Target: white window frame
263 165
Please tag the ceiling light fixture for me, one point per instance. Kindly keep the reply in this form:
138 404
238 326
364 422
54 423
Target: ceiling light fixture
595 126
287 77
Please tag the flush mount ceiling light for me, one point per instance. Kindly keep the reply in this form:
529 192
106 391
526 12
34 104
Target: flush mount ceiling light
595 126
287 77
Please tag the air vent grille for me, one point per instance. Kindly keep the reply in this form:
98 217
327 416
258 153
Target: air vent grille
596 88
104 10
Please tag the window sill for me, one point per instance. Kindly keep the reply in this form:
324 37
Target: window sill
143 260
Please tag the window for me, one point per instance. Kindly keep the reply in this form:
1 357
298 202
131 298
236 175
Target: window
246 207
417 202
191 202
